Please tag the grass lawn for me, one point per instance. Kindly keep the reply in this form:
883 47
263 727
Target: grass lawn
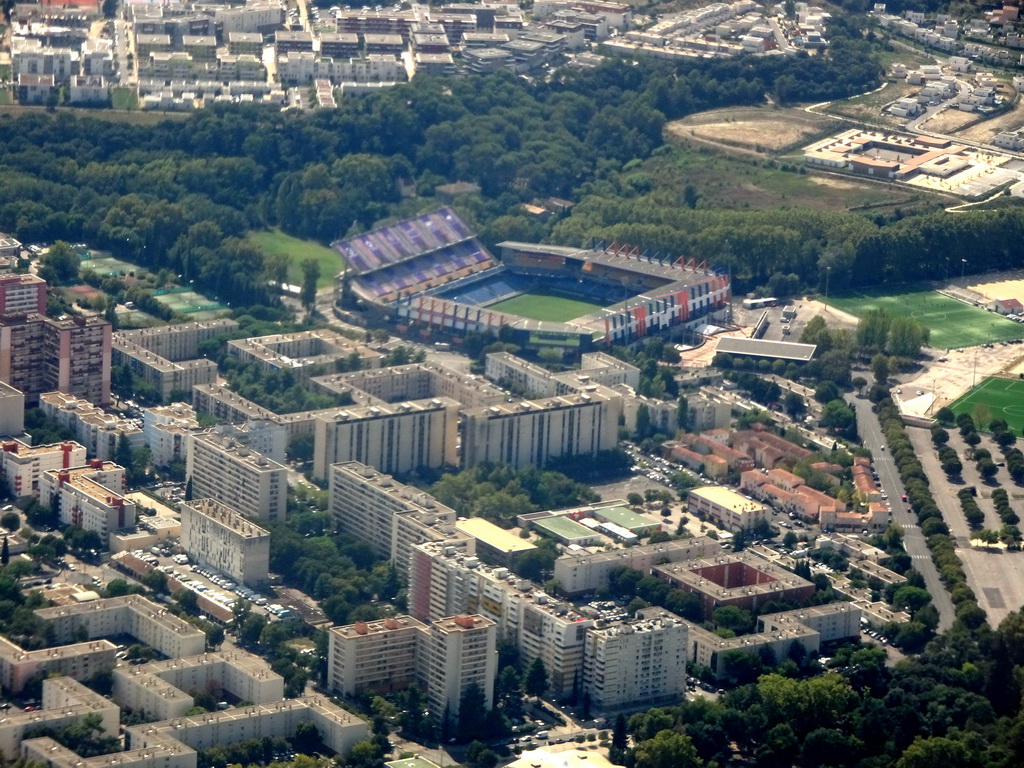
952 323
1003 399
124 98
555 309
277 242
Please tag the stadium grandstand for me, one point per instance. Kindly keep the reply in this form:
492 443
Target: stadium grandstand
432 274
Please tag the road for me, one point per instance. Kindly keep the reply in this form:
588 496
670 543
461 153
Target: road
913 540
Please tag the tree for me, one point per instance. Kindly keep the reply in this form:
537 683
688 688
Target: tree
5 553
634 499
155 580
536 680
59 266
508 690
666 750
880 368
472 713
11 521
794 405
188 490
187 599
310 276
214 636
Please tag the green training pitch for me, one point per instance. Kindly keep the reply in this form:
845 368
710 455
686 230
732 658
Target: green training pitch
274 242
1003 399
539 306
952 323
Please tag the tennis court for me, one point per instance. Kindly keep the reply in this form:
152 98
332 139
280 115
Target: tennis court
188 302
108 265
952 323
1001 398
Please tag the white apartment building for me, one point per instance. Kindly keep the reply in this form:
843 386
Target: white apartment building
378 656
217 535
12 411
165 431
388 515
98 431
305 353
221 468
533 381
79 661
89 497
395 439
531 433
459 651
642 660
131 615
23 465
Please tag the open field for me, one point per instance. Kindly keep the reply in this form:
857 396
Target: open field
757 129
1003 399
274 242
556 309
949 121
952 323
123 98
734 179
868 108
1011 120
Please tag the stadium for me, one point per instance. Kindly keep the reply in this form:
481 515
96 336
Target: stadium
431 274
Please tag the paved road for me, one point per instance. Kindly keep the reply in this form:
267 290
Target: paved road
913 540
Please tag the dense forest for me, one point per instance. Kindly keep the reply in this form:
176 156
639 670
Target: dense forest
181 194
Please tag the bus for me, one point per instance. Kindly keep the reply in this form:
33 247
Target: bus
760 303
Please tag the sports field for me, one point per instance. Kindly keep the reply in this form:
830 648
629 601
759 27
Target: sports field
195 305
108 265
539 306
275 242
1003 399
952 323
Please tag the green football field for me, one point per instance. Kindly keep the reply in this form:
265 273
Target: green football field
276 242
555 309
1003 398
952 323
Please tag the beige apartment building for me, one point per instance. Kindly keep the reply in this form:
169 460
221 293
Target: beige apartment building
459 651
98 431
735 511
396 439
378 656
12 411
215 534
224 469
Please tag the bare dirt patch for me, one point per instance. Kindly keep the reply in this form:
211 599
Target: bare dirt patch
758 129
1011 288
949 121
1010 120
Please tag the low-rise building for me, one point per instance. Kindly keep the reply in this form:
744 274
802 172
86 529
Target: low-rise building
97 430
734 511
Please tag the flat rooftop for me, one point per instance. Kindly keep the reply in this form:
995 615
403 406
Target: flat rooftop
493 536
625 517
564 528
781 350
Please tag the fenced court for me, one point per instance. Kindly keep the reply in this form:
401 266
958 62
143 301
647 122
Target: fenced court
999 398
188 302
537 306
108 265
952 323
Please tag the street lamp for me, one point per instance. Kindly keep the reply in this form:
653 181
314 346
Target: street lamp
963 266
828 271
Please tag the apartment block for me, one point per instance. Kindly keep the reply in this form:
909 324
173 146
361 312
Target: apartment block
416 381
386 514
460 651
22 295
531 433
39 354
224 469
89 497
12 411
217 535
642 660
98 431
130 615
395 439
307 353
165 431
380 656
159 688
168 357
22 465
79 661
533 381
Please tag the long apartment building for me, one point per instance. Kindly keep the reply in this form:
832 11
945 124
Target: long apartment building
215 534
222 468
531 433
98 431
39 354
12 411
445 657
416 381
386 514
168 357
531 380
90 497
305 354
22 466
79 661
396 439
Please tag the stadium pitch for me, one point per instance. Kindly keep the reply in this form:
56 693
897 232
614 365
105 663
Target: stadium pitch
548 307
952 323
1003 398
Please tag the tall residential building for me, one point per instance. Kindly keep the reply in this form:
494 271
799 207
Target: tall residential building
214 534
98 431
386 514
165 431
380 656
89 497
461 650
38 354
221 468
12 411
642 660
22 465
22 295
530 433
395 439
